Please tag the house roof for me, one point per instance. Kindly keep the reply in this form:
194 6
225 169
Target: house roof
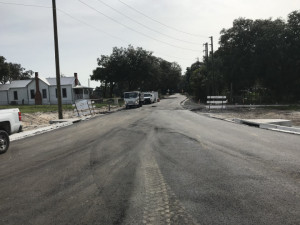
4 87
82 87
44 80
19 83
48 81
63 80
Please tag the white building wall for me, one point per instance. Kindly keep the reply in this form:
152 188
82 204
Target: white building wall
69 98
65 100
52 94
31 86
3 98
42 85
22 95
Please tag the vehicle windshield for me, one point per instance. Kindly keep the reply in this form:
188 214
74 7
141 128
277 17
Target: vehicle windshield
147 95
130 95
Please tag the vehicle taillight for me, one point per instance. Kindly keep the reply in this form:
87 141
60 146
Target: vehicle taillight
20 116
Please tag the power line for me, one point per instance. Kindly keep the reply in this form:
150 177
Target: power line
91 26
67 14
86 24
27 5
171 56
170 27
147 27
141 33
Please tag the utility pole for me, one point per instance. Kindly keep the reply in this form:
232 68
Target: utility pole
60 115
205 51
212 62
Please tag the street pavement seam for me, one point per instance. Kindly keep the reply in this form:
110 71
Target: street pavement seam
161 204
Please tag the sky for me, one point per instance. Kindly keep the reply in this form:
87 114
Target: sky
174 30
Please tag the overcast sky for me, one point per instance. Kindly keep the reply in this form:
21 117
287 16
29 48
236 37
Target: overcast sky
174 30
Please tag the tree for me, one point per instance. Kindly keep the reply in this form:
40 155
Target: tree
260 57
12 71
4 70
292 65
128 69
264 52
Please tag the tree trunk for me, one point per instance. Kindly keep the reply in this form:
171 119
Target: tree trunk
105 86
111 89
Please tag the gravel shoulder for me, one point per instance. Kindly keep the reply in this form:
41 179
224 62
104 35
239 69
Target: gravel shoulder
245 112
32 121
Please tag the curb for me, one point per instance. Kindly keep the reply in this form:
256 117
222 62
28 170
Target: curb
55 125
266 126
30 133
273 127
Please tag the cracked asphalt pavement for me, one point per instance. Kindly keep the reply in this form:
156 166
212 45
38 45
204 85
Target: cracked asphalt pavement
158 164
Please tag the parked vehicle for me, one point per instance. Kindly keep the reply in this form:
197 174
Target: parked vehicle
151 97
148 98
10 123
155 96
133 99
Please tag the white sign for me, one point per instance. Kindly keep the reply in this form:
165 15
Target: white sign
84 107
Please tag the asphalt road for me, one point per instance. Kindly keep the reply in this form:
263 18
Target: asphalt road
159 164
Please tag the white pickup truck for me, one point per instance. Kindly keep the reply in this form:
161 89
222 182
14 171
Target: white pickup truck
10 123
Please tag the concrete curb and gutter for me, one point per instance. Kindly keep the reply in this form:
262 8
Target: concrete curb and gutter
275 125
56 124
279 125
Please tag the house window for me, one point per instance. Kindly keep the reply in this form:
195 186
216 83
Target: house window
64 92
44 93
15 95
32 94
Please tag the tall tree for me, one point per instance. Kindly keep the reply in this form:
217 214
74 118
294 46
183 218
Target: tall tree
12 71
4 70
128 69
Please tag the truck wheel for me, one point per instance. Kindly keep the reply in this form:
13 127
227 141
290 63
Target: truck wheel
4 141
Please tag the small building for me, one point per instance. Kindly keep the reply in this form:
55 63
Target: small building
4 94
43 91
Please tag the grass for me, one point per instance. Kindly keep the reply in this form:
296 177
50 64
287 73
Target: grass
99 105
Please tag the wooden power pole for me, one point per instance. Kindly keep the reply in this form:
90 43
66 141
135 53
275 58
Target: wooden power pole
60 114
212 63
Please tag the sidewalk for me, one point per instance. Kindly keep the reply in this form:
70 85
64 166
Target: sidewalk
240 114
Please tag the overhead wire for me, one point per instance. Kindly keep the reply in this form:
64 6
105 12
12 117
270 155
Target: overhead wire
67 14
165 25
136 31
28 5
145 26
82 22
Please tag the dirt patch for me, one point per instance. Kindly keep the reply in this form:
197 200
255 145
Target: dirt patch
246 112
36 120
32 121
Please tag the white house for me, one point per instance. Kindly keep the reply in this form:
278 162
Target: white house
4 94
43 91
